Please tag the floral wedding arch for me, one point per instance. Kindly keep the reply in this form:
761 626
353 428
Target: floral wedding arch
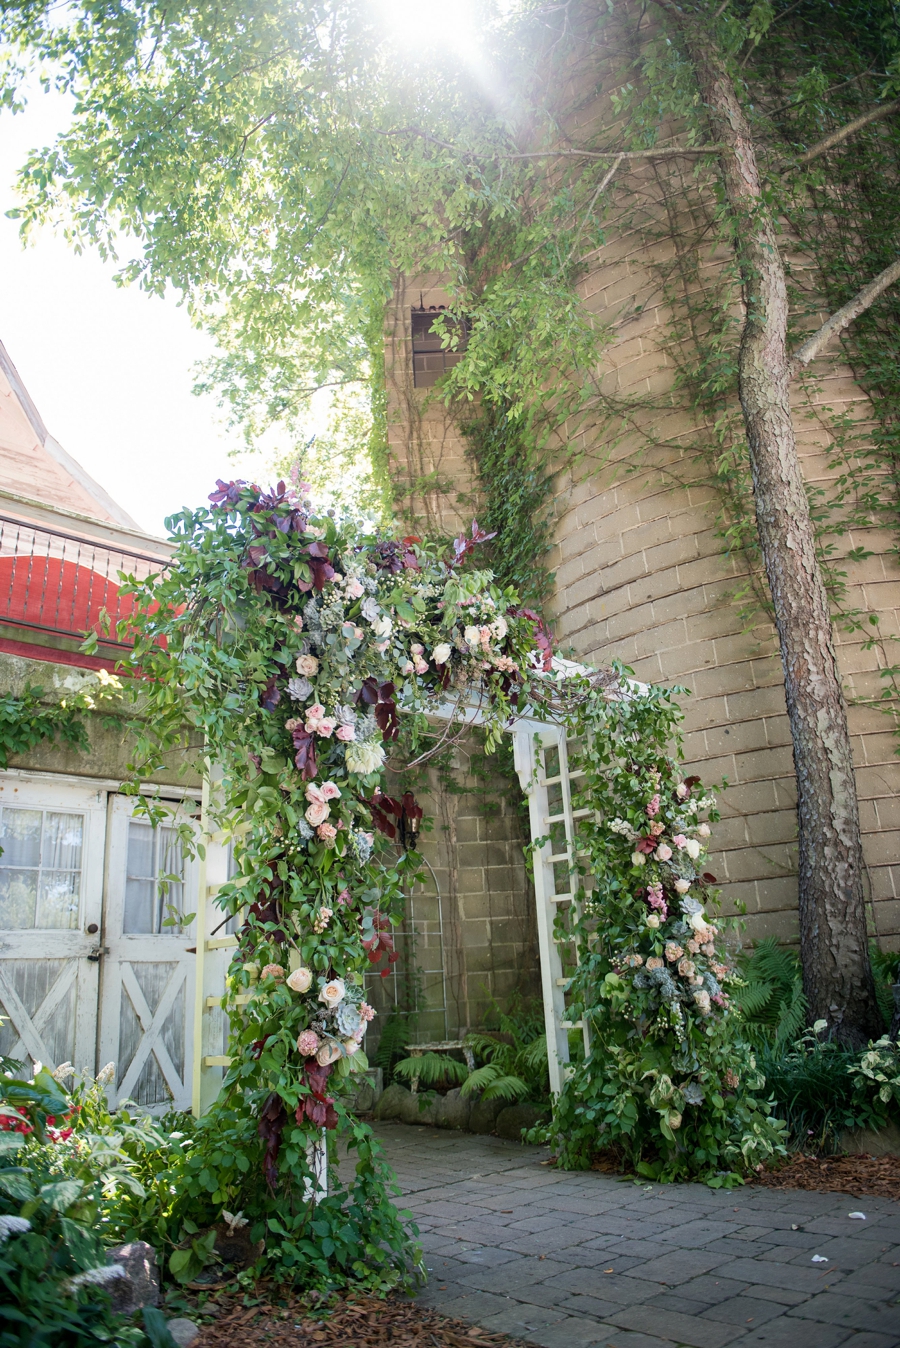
299 646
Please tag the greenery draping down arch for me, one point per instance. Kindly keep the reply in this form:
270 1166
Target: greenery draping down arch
291 642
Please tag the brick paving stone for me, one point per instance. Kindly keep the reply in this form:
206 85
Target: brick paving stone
833 1308
711 1290
680 1265
518 1321
573 1332
743 1311
681 1329
785 1333
593 1307
694 1235
624 1291
487 1257
807 1279
674 1301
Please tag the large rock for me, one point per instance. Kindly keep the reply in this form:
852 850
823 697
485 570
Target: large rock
392 1101
140 1286
872 1141
483 1117
419 1108
452 1110
183 1331
369 1091
512 1119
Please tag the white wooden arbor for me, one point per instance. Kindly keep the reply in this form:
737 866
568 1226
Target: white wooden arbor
542 759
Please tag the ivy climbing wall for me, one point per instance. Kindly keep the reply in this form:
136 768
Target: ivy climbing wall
653 546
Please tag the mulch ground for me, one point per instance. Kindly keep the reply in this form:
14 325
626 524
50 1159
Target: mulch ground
875 1175
362 1322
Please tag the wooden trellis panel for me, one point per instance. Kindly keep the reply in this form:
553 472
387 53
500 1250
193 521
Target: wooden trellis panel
542 756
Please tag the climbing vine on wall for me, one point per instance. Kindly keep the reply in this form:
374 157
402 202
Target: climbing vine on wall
28 719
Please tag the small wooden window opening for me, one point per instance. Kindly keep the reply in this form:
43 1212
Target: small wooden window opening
431 360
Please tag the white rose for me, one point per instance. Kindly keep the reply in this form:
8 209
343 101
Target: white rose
704 830
652 921
692 847
638 859
317 813
333 992
382 627
350 1046
364 757
300 980
328 1053
698 921
441 654
472 636
682 886
308 665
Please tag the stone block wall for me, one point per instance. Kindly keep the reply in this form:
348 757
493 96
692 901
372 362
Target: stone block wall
470 939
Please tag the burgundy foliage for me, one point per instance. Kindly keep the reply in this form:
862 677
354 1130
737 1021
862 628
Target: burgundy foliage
317 1107
463 545
272 1118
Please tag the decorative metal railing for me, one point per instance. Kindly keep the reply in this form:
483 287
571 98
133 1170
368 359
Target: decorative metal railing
57 582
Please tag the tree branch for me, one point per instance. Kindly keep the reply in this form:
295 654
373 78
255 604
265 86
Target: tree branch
845 316
664 152
850 129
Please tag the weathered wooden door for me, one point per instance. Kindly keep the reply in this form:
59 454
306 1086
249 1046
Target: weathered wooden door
51 895
147 989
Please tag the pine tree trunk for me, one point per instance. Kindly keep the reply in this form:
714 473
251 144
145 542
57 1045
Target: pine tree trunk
837 975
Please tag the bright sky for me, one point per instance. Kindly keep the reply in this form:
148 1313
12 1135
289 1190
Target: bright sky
109 369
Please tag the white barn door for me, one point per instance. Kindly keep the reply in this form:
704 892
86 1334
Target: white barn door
147 994
51 897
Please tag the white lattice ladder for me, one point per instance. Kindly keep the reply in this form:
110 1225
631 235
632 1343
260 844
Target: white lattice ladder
532 744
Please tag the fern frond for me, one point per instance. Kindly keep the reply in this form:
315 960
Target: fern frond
432 1069
507 1088
480 1079
792 1016
535 1055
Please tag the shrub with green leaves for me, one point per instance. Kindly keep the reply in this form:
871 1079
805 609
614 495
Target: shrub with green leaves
63 1176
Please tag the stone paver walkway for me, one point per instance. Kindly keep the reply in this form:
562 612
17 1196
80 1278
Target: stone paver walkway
568 1260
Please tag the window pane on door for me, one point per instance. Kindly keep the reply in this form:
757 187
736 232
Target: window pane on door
152 853
40 869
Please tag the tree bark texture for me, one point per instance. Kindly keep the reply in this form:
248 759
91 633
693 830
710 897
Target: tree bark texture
837 975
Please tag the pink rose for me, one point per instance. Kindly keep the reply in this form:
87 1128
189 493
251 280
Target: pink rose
307 1043
407 667
421 666
345 733
416 648
314 792
325 728
327 833
330 791
317 813
679 840
663 852
297 623
328 1053
355 589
